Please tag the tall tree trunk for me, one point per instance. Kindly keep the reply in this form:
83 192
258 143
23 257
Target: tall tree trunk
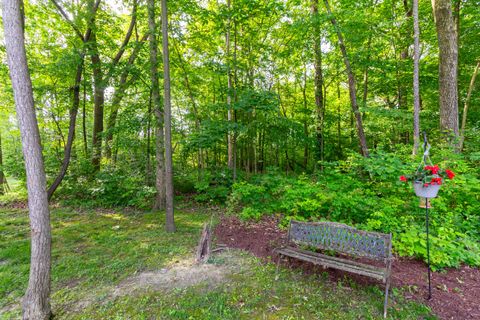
339 125
71 129
3 179
465 107
305 124
235 97
170 222
119 94
448 66
84 117
157 105
36 303
148 169
191 96
319 103
416 77
98 103
229 91
351 84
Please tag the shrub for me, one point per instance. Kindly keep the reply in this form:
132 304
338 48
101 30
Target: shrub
365 192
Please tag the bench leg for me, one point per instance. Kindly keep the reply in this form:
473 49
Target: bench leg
278 265
385 305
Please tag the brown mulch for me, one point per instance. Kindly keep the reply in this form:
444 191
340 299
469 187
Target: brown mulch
455 292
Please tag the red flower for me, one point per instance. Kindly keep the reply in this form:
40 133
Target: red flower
403 178
434 169
450 174
425 184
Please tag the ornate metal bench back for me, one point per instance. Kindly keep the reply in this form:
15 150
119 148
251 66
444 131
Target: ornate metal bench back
341 238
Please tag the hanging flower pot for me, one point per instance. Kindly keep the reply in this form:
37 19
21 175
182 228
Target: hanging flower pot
427 180
426 190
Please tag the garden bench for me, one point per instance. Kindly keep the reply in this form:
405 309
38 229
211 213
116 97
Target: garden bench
346 241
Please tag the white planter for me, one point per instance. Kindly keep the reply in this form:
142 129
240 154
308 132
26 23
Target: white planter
430 191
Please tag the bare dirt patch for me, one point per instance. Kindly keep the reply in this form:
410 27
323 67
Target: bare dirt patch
184 274
455 292
177 276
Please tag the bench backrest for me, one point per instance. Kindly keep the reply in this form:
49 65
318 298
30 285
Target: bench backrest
341 238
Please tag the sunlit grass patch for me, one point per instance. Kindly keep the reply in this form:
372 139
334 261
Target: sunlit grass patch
96 252
91 248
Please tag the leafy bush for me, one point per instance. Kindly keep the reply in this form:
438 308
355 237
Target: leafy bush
366 193
213 186
108 188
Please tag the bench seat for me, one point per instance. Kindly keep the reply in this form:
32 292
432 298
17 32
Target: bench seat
335 262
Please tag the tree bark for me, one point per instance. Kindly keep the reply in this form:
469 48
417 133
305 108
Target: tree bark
305 124
100 82
448 66
191 96
465 107
71 130
98 103
319 103
416 77
3 179
229 92
170 222
84 117
157 105
119 94
351 84
36 303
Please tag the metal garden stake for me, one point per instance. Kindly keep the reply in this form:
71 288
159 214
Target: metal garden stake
425 156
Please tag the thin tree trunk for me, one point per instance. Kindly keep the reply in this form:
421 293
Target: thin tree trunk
3 179
84 117
36 303
170 222
119 94
98 103
71 130
351 84
319 103
229 92
148 169
339 125
157 105
194 108
416 77
448 66
465 107
305 124
100 82
235 85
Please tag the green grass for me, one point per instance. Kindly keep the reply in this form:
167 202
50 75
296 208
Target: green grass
94 250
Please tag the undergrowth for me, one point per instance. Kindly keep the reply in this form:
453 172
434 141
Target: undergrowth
367 193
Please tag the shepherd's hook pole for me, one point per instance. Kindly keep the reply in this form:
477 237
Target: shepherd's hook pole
428 253
425 143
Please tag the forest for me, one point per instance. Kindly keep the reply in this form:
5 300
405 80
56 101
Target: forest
117 116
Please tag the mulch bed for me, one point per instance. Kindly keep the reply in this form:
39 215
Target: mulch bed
455 292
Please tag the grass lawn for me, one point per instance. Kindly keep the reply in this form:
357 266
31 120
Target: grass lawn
97 252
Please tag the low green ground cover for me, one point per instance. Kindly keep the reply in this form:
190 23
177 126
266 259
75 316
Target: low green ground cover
94 251
367 193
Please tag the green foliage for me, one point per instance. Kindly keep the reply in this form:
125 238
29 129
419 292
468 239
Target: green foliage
111 187
366 193
213 187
